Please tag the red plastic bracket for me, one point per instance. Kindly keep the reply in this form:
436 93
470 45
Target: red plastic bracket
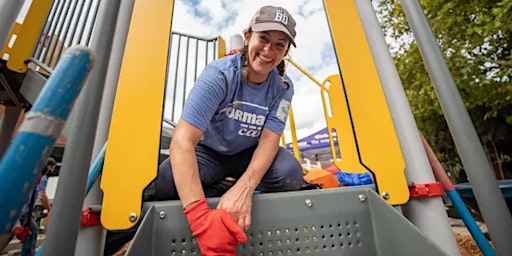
426 190
89 218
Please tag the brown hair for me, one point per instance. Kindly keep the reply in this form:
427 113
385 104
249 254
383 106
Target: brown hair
281 67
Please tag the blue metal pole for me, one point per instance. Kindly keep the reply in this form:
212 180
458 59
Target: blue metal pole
470 223
96 169
33 144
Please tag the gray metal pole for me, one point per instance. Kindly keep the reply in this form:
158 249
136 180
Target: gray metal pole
97 234
9 10
116 60
485 187
91 240
428 214
81 127
7 126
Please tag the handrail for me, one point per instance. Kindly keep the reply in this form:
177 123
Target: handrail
301 69
295 145
195 37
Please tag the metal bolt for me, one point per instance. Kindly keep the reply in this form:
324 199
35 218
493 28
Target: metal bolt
132 217
162 214
362 197
385 195
308 203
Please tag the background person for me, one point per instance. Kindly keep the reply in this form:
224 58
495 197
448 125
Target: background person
26 218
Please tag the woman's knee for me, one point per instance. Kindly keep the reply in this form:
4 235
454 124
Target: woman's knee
165 189
292 176
285 174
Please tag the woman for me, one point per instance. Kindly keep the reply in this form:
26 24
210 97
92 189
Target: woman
230 127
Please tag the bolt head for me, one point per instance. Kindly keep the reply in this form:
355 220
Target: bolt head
132 217
308 203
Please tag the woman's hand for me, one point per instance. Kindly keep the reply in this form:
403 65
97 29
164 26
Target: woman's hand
238 201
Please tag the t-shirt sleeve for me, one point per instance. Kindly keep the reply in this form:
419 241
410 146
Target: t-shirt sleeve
279 109
205 97
42 183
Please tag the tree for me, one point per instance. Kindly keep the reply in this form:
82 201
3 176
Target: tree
475 38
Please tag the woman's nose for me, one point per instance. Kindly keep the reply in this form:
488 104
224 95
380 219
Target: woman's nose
268 46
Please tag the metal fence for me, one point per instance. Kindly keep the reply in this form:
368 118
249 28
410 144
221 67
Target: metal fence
188 55
69 22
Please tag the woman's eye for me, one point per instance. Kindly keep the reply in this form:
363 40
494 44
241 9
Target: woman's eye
279 45
264 39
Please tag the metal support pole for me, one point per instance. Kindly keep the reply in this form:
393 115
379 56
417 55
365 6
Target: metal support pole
7 126
62 238
91 240
481 176
114 67
9 10
428 214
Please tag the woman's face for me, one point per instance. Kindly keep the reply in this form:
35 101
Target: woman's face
266 49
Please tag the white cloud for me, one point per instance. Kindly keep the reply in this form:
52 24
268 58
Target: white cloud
314 52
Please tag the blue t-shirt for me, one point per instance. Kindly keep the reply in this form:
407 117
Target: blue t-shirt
39 187
232 113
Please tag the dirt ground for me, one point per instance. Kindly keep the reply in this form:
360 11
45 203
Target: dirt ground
467 244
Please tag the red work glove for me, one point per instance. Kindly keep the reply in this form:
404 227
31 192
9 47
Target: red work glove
216 231
21 233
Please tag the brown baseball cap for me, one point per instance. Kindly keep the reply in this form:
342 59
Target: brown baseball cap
274 18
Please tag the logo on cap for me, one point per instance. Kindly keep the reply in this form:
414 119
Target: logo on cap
281 17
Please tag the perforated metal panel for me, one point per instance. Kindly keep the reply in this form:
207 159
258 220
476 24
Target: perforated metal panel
316 222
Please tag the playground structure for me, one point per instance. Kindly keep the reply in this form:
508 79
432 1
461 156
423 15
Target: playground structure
351 221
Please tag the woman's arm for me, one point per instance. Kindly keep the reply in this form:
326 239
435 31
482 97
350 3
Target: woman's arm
238 199
184 163
45 203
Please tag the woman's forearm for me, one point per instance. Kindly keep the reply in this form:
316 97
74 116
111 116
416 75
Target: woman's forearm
185 172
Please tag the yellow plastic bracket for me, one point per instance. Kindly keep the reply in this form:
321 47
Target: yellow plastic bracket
221 47
28 34
359 101
131 157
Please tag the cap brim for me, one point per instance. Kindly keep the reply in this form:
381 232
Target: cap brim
273 26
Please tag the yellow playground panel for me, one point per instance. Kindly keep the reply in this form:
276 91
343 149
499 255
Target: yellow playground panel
34 20
373 131
367 138
132 155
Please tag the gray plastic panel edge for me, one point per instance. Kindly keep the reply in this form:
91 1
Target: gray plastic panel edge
340 221
32 85
395 235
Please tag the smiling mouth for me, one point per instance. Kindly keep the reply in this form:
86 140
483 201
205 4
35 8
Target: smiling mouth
264 59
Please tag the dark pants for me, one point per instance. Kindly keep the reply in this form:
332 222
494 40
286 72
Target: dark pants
29 245
284 174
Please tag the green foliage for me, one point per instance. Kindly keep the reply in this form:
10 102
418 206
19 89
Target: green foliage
475 38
